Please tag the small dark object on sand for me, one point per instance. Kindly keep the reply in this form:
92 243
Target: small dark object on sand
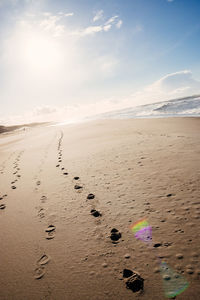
115 235
78 187
90 196
65 173
135 282
76 178
127 273
13 187
95 213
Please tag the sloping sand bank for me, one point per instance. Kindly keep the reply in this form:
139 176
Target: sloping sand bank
52 247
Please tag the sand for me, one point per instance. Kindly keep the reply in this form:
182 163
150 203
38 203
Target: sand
53 247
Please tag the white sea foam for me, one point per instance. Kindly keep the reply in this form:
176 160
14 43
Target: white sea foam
189 106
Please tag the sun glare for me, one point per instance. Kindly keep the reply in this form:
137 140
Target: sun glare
41 52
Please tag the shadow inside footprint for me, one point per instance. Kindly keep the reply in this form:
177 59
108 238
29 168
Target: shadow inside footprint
50 228
77 187
95 213
90 196
2 206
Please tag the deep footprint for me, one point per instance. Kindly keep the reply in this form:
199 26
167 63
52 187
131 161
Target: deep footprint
95 213
90 196
2 206
77 187
115 235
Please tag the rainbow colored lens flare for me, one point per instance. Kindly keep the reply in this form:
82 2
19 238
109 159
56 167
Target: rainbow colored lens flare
174 283
142 230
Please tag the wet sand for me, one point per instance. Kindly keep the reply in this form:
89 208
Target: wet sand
64 188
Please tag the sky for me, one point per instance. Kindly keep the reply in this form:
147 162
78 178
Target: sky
63 60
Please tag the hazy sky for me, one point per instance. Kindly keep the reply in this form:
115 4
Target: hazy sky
66 58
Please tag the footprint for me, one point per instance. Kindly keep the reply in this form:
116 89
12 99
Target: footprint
41 213
44 259
2 206
77 187
65 173
76 178
13 187
43 199
90 196
115 235
57 166
95 213
50 235
50 228
39 272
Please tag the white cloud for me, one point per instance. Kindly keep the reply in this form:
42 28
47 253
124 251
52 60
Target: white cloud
50 24
119 24
91 30
112 20
98 16
44 110
69 14
171 86
107 27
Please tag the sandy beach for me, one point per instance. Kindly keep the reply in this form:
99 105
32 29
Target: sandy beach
55 240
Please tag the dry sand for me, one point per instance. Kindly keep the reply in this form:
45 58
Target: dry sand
135 169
